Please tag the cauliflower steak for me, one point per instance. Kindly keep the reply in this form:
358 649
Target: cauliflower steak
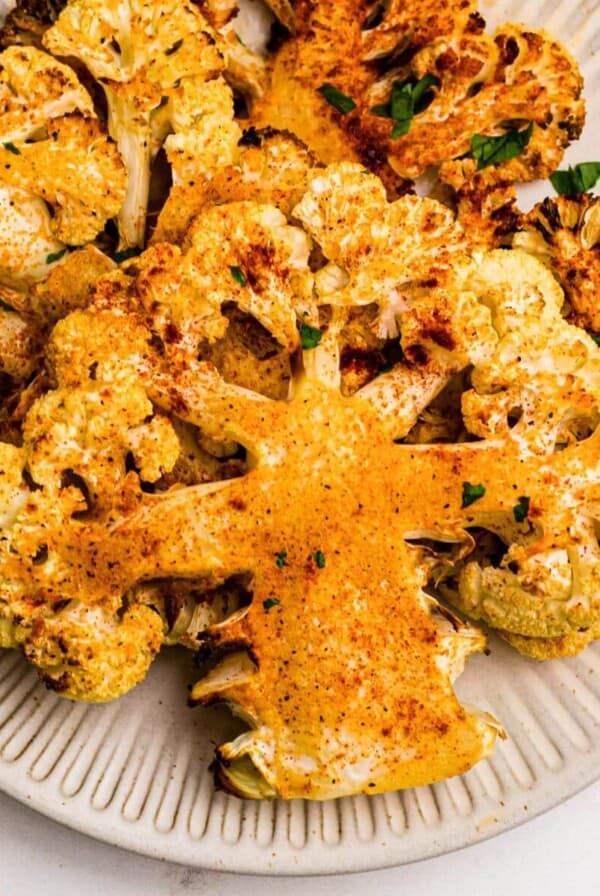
339 657
402 87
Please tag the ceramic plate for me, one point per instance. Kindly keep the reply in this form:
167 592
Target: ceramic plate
135 773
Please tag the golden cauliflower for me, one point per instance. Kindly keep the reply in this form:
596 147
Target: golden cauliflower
564 233
52 146
114 481
161 70
126 380
272 167
475 82
86 639
181 430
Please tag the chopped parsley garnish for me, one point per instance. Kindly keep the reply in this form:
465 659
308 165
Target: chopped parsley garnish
521 510
280 558
577 179
336 98
493 150
385 368
407 99
471 493
126 254
595 337
12 148
238 274
271 602
319 559
310 336
56 256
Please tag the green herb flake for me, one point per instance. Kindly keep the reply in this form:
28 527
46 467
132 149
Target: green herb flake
12 148
126 254
595 337
385 368
344 104
577 179
471 493
310 336
238 274
56 256
271 602
521 510
382 111
494 150
407 99
319 559
281 558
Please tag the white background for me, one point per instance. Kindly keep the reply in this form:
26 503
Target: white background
555 854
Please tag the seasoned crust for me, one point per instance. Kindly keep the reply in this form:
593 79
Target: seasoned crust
272 167
485 83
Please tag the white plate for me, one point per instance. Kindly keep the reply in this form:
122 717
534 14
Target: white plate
135 773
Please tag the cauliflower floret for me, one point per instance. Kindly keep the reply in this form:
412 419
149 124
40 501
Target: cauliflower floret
477 84
20 345
564 233
27 243
88 446
205 135
416 23
76 170
34 89
89 431
485 201
543 372
248 253
53 147
156 65
87 641
68 285
402 257
115 354
272 168
517 74
241 253
375 248
538 592
86 654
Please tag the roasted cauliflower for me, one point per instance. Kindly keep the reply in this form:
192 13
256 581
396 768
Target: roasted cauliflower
161 70
564 233
272 167
123 369
52 146
315 404
444 82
